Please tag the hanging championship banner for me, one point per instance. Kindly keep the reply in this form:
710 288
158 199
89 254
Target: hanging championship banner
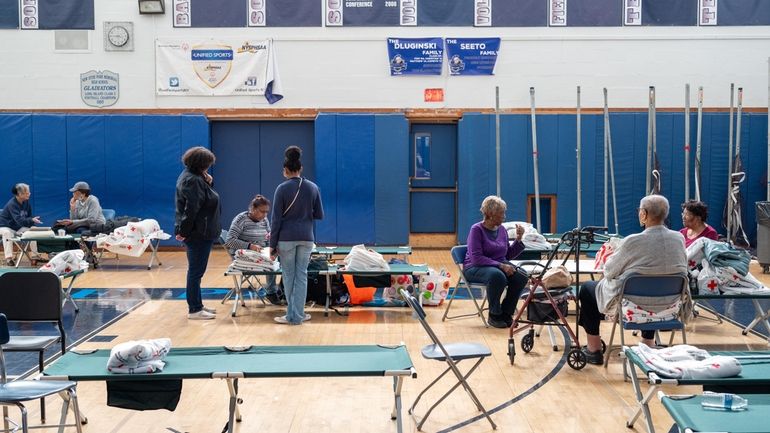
423 56
222 67
475 56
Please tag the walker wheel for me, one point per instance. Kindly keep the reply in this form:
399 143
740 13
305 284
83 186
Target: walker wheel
576 359
766 269
527 342
83 420
604 347
511 349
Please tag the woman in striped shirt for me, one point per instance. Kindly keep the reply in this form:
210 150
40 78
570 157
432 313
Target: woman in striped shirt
250 230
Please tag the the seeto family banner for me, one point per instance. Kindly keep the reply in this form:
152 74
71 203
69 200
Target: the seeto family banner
216 67
472 56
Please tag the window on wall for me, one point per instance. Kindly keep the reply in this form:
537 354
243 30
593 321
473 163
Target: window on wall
547 212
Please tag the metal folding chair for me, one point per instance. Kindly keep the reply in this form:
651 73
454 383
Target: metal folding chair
452 354
33 297
17 392
639 287
458 256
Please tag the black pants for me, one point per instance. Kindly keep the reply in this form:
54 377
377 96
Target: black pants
497 282
590 316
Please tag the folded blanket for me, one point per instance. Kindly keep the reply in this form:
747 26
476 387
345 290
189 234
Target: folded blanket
635 314
66 262
133 239
139 357
687 362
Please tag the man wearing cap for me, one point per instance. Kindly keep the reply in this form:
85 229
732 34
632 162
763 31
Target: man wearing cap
84 209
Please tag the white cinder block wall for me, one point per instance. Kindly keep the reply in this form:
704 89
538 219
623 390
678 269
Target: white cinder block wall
348 67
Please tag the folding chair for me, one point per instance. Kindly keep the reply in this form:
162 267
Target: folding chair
250 280
452 354
638 287
33 297
458 256
16 392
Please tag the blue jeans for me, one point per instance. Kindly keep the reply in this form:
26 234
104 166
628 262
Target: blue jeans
197 260
295 256
497 282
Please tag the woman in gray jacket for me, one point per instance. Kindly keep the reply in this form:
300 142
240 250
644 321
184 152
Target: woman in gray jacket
85 209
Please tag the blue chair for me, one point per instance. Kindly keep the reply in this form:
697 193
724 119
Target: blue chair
109 214
458 256
452 354
643 290
17 392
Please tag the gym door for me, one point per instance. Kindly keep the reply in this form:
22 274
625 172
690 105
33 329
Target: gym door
433 178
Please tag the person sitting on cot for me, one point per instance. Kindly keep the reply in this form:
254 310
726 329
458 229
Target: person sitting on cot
655 251
250 230
694 216
487 261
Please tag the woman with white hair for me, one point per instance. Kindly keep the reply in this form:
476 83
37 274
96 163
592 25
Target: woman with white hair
15 218
487 261
656 250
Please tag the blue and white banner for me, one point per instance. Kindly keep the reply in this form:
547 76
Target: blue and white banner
423 56
476 56
222 67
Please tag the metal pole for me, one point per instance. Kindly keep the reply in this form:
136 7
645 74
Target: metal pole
654 134
768 129
612 169
578 158
534 157
497 138
699 129
606 158
649 142
686 142
730 164
738 124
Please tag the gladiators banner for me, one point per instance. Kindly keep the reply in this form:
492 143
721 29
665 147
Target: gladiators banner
216 67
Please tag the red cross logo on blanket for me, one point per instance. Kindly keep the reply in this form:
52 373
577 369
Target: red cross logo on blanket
712 284
133 229
736 277
129 247
715 365
691 263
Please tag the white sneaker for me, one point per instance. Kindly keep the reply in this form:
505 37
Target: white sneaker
307 317
282 320
201 315
210 310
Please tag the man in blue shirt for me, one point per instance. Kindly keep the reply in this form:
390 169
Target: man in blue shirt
15 218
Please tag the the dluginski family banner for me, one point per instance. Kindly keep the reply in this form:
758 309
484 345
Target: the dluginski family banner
472 56
423 56
222 67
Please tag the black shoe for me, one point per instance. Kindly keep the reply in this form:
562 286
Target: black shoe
508 321
273 298
497 321
595 358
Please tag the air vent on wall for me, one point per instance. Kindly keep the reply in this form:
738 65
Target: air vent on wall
71 40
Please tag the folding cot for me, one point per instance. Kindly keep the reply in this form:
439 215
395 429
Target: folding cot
760 315
690 417
755 378
331 250
248 362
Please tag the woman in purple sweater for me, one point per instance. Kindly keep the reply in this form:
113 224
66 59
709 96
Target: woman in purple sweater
486 262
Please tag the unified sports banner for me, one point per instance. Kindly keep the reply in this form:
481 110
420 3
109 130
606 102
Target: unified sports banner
423 56
475 56
217 67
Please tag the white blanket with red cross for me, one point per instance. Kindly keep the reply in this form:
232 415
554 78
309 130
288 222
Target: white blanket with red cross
687 362
133 239
719 279
66 262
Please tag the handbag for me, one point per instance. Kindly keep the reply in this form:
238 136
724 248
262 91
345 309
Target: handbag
557 276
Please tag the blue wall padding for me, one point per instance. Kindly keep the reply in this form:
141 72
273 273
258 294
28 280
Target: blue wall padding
326 165
50 195
195 131
122 161
355 179
556 143
161 136
16 148
236 145
391 172
85 154
435 211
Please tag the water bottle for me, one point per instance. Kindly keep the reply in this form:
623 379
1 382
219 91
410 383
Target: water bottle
723 401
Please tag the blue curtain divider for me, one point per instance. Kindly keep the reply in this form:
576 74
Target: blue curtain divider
49 157
326 166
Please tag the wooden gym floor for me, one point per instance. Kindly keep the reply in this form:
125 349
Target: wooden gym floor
540 393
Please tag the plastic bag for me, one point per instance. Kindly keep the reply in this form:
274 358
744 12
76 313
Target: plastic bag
434 287
361 259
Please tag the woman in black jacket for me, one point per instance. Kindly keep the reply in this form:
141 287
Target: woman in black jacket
197 223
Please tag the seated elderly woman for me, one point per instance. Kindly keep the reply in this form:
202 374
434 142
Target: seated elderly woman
85 210
694 216
250 230
15 218
487 261
657 250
